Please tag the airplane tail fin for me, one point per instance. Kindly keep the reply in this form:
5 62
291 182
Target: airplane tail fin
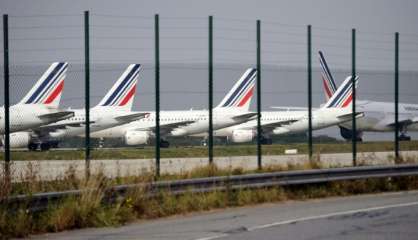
48 89
122 93
327 78
343 97
241 93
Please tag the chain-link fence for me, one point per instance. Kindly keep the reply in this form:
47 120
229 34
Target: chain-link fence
188 59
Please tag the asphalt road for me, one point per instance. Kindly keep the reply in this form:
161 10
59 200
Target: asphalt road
380 216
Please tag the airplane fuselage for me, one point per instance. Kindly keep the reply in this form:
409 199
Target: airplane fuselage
100 118
379 116
293 122
26 116
196 121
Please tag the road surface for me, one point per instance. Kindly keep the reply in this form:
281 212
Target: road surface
379 216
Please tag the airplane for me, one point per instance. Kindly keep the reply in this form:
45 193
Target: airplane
40 105
335 111
378 116
114 109
232 110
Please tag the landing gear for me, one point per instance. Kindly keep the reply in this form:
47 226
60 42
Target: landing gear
404 137
45 146
164 143
266 141
32 146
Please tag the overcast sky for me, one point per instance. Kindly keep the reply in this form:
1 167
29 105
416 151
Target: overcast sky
122 32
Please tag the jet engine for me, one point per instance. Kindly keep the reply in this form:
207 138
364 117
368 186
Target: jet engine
347 134
19 139
240 136
136 137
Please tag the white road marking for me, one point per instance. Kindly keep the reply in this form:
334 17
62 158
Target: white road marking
275 224
214 237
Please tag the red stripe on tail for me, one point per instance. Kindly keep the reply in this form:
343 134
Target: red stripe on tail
128 96
55 93
246 97
327 90
348 101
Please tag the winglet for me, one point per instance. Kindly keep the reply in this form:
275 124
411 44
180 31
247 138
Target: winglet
241 93
48 89
122 93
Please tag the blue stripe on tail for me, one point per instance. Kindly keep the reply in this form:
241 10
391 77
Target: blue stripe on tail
239 89
46 81
121 86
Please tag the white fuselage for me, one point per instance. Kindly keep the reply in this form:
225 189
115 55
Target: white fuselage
380 116
297 121
26 116
198 123
101 117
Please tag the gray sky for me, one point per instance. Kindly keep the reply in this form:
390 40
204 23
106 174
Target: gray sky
43 31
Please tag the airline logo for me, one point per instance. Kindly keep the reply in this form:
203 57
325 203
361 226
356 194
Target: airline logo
343 96
49 86
124 89
242 91
327 79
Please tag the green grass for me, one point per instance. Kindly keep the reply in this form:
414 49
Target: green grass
87 211
231 150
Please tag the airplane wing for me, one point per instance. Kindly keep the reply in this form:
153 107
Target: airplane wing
166 128
57 116
131 117
270 126
245 116
55 126
405 121
348 116
286 108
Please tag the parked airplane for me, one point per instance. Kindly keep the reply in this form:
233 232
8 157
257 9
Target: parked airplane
334 112
114 109
232 110
378 116
40 105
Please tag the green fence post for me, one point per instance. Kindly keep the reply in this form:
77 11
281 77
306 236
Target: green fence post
353 77
310 144
210 107
157 96
259 131
87 90
396 95
6 98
